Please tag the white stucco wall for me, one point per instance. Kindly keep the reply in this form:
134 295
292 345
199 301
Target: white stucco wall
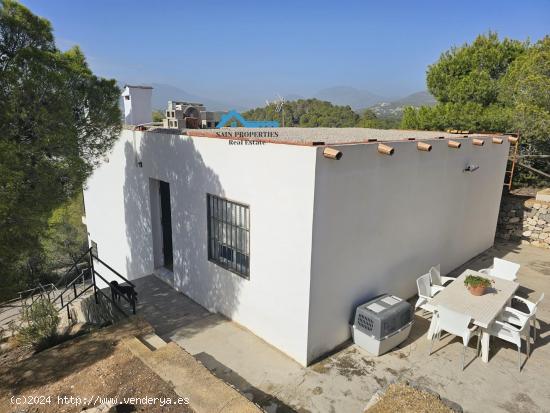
277 181
381 221
137 109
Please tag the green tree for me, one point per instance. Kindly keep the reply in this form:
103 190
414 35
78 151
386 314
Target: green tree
466 82
471 73
492 85
307 113
526 89
58 120
65 239
368 120
158 116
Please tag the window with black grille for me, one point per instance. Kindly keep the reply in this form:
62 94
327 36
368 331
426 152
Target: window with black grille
229 234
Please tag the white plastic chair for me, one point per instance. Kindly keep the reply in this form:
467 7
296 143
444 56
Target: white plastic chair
437 278
531 315
507 332
425 292
457 324
506 270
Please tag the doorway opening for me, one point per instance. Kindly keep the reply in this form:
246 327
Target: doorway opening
161 214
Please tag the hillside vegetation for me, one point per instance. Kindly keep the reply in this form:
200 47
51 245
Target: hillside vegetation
310 113
493 85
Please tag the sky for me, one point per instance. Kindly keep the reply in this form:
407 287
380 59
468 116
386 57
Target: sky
258 49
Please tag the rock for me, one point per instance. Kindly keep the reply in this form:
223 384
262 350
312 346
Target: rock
541 222
513 220
374 399
536 206
544 235
546 229
527 234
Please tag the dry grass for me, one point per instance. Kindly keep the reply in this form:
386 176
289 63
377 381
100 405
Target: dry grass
96 364
403 398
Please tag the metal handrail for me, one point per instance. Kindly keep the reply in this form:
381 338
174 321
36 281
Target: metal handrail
82 276
93 284
74 298
131 302
71 284
113 270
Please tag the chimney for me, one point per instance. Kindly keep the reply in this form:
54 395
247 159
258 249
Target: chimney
137 104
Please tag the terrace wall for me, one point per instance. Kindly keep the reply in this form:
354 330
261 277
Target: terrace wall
524 219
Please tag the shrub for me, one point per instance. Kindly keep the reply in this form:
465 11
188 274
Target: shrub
475 281
39 325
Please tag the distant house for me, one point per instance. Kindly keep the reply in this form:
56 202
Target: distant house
286 230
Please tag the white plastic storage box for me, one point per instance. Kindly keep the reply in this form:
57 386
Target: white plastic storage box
382 323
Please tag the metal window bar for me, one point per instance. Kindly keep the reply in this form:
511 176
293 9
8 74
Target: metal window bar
228 232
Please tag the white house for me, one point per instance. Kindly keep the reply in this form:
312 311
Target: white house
286 230
137 104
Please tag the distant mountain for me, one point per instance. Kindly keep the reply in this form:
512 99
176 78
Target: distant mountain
395 108
345 95
417 99
162 93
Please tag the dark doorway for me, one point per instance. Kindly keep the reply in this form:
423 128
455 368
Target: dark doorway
166 224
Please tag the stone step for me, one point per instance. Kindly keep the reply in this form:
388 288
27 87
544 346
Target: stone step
153 341
191 379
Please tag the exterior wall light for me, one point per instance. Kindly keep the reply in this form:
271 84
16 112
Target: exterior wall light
471 168
498 141
454 144
478 142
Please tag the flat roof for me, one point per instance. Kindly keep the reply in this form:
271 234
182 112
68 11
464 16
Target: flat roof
328 136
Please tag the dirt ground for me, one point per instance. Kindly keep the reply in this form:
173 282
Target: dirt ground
402 398
91 369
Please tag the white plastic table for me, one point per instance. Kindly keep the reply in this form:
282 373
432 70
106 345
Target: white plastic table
483 309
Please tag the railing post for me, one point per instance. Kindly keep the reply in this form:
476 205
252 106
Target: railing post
74 289
93 276
68 312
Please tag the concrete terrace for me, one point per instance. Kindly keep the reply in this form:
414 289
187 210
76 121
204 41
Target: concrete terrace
346 380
